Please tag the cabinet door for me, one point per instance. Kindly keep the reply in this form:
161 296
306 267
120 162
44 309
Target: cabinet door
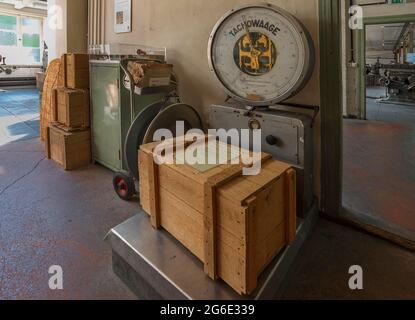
106 116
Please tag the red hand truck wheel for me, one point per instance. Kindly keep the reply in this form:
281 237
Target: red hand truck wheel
124 186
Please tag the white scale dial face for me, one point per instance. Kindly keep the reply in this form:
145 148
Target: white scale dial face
260 54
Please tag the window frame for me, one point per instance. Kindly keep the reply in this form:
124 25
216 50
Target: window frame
19 34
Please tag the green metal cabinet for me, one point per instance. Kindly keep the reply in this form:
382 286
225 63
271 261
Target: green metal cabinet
111 112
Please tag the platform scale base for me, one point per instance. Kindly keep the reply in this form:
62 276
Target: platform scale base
154 265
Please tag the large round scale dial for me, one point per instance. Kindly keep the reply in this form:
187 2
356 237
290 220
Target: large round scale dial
261 54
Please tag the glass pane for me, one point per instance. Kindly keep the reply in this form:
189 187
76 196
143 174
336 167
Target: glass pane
35 55
8 38
31 25
30 56
31 32
8 22
31 40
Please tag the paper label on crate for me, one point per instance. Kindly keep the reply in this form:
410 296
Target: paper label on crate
224 154
159 82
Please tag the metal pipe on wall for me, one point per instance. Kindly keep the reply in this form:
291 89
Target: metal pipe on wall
96 32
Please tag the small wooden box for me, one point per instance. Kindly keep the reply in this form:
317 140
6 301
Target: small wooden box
75 70
235 224
150 75
71 150
71 108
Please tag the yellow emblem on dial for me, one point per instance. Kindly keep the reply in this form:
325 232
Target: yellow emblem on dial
255 54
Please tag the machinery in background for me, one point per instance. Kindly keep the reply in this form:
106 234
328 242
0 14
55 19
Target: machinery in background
124 115
399 79
373 74
45 57
24 75
9 74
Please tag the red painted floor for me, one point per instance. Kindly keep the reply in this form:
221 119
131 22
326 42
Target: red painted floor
379 164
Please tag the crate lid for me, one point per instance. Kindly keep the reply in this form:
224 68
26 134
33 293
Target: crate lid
228 176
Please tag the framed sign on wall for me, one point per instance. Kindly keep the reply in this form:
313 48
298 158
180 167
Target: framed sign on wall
122 19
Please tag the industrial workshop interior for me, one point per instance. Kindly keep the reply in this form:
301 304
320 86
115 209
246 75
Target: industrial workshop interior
234 150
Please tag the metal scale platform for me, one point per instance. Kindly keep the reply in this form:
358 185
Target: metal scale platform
262 56
154 265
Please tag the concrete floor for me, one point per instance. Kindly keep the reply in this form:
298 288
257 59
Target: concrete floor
321 268
52 217
379 167
376 92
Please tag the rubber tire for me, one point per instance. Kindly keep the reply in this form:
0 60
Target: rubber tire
124 186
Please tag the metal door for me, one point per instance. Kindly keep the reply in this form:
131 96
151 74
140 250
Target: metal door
106 115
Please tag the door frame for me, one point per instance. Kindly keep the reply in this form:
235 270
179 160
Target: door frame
361 52
331 97
332 116
331 106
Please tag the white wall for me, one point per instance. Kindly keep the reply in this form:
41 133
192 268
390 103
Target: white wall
56 31
71 33
184 26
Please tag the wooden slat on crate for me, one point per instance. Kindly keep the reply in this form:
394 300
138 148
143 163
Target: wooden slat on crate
75 71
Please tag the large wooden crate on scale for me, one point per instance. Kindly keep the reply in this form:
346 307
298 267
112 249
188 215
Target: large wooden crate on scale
235 224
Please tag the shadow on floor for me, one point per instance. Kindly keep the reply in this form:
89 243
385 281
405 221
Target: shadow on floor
19 115
321 270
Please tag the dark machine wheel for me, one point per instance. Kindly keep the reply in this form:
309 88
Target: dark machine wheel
136 134
124 186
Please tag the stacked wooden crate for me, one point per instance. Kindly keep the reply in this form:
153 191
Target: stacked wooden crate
68 140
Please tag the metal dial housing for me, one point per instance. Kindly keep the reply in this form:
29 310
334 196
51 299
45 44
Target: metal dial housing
261 54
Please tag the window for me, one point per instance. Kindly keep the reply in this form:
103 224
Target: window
21 39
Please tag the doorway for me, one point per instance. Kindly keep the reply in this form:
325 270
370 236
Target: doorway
379 143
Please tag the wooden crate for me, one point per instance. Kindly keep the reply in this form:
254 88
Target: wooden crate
71 150
235 224
71 108
75 71
149 75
